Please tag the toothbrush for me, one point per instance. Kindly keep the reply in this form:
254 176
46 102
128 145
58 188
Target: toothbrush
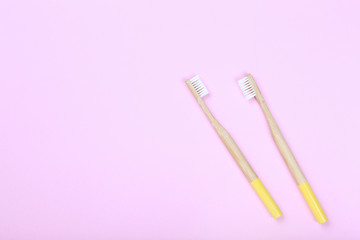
250 90
199 90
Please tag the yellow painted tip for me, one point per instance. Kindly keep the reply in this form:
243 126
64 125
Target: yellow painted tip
313 202
266 198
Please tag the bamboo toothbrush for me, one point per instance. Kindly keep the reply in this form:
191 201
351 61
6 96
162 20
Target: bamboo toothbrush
199 91
250 90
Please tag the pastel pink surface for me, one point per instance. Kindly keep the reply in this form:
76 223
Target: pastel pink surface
101 139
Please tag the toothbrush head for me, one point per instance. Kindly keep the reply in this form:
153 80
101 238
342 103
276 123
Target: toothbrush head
199 86
247 87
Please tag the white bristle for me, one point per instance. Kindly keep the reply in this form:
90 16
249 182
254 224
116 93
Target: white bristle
247 88
199 86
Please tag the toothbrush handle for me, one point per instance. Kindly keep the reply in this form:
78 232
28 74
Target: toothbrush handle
247 169
234 151
282 144
292 163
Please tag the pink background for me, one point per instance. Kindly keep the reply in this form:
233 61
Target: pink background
101 139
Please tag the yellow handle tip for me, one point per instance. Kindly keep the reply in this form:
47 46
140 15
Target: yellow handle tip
313 202
266 198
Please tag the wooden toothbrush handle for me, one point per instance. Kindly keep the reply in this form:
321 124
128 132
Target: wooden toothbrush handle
244 165
235 151
292 164
230 144
282 144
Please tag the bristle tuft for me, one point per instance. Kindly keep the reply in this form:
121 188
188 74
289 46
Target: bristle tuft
247 88
199 86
